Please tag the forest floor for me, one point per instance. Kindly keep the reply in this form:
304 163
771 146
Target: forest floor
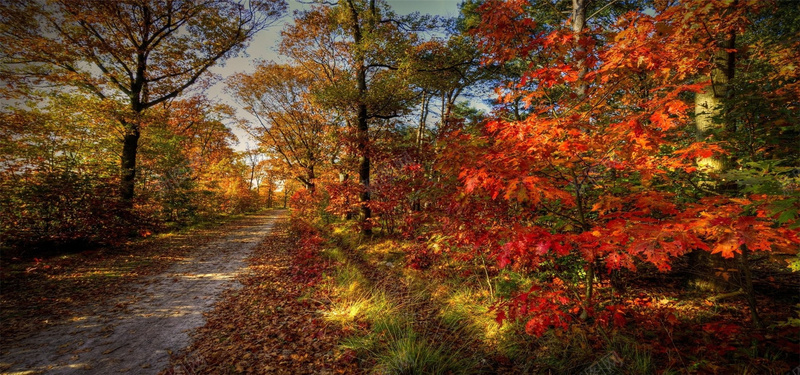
277 322
259 296
120 310
336 303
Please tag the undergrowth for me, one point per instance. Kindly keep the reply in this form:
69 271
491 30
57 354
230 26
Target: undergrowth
441 318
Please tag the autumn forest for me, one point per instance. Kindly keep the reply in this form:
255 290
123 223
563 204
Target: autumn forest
522 187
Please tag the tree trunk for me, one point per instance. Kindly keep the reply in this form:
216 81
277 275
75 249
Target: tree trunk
709 107
747 286
252 176
310 177
130 147
269 195
362 124
363 160
578 18
423 118
578 23
589 288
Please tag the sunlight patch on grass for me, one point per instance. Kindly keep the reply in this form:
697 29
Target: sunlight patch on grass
355 298
385 321
463 307
387 250
346 235
334 254
346 311
348 281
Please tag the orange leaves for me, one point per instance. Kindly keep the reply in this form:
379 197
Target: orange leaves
729 234
630 122
699 150
726 225
596 164
650 226
607 203
661 120
669 115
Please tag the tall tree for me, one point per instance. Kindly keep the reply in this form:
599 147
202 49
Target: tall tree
356 47
139 52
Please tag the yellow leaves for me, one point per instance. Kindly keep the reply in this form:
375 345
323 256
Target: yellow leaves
788 70
607 203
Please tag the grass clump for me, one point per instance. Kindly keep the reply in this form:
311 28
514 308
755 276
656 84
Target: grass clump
384 319
411 354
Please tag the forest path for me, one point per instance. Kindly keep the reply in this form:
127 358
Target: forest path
136 332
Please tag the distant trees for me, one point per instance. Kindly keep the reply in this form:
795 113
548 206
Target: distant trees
59 164
290 123
93 99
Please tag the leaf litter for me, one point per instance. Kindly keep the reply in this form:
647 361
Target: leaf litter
272 325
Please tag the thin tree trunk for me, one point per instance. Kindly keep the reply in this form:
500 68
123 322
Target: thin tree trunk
269 195
578 23
130 142
747 281
443 105
310 184
252 175
130 146
363 160
423 118
578 18
588 291
362 118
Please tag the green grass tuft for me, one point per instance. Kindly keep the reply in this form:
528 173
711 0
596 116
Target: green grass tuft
410 354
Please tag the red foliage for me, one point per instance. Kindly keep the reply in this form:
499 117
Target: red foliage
543 306
594 173
307 265
420 257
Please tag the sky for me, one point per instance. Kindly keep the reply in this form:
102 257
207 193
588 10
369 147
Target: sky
264 47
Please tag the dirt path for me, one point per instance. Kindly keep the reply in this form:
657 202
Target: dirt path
275 323
136 333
